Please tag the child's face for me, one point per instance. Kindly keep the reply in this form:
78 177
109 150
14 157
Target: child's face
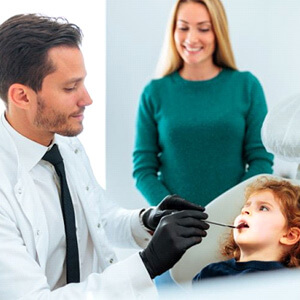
264 223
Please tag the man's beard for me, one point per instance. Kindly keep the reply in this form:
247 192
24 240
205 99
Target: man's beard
53 120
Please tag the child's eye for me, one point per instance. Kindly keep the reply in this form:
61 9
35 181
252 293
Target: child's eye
264 208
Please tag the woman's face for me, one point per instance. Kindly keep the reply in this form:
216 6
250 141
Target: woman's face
194 36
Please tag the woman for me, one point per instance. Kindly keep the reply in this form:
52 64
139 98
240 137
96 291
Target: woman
198 125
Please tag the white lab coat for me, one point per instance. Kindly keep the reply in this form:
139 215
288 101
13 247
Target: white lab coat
24 233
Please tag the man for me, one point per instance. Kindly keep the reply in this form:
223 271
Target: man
55 225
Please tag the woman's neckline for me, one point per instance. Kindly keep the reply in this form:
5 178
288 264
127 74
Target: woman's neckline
196 75
182 80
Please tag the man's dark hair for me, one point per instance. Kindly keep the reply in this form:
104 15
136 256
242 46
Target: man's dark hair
24 44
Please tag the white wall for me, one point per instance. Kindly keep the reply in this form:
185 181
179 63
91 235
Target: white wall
90 17
135 30
264 37
265 40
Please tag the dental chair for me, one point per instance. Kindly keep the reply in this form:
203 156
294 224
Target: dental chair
223 209
281 136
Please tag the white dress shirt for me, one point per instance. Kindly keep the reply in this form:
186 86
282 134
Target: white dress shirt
32 241
48 186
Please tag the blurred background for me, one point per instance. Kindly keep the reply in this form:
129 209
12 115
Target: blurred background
265 41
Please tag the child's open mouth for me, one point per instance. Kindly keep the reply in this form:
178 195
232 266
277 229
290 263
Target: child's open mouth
242 225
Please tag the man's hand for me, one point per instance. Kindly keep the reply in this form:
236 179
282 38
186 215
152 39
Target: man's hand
169 204
174 234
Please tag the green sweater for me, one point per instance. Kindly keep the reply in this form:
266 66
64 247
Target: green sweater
197 139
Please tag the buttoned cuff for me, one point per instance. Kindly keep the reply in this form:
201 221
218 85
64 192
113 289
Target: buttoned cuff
141 234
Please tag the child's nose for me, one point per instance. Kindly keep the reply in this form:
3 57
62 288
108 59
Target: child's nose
245 211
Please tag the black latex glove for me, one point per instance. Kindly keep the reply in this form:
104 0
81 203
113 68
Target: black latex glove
174 234
169 204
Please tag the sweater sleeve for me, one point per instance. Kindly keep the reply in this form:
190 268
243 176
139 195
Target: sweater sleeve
146 152
256 157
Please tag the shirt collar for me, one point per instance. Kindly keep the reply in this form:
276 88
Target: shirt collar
30 152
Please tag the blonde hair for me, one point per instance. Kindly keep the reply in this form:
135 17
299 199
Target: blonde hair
170 59
288 197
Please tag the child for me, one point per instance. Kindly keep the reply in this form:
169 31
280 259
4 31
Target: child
267 234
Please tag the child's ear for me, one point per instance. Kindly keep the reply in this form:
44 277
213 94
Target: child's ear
291 237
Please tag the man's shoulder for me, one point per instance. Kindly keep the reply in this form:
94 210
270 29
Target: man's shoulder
8 166
8 155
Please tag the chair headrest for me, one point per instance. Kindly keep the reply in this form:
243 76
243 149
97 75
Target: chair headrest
281 129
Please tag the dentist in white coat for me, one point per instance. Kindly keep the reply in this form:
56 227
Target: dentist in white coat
42 76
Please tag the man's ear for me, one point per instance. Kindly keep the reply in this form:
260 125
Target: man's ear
291 237
19 95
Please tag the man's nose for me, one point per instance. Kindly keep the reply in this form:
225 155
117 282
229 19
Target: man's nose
85 98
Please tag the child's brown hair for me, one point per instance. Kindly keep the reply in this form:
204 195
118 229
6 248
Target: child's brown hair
288 197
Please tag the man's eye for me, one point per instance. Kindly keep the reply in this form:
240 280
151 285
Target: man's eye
70 89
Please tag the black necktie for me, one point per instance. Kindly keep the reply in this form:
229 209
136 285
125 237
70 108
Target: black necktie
72 259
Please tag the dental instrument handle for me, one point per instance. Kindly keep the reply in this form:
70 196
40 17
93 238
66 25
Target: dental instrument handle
220 224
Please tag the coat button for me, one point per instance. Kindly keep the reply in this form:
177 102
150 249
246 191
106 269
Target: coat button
111 260
98 225
19 190
76 151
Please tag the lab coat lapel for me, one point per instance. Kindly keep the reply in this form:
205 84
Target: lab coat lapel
96 226
30 203
90 196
